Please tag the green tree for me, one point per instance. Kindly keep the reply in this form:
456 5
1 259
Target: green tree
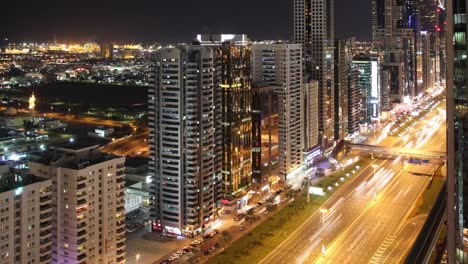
271 207
195 256
225 239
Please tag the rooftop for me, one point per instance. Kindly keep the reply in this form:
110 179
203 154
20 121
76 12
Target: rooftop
15 180
75 155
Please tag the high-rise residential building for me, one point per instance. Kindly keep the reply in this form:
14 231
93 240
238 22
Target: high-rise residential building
233 95
280 64
182 123
369 82
429 20
390 23
393 78
428 64
341 89
310 121
457 127
314 29
88 213
26 220
264 130
354 101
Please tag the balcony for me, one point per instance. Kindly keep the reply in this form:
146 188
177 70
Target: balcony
82 225
121 258
45 233
120 223
120 173
120 251
81 241
81 178
120 194
45 207
45 258
121 230
45 216
45 249
81 233
120 209
45 224
120 180
81 202
45 241
81 257
119 166
81 186
120 244
44 199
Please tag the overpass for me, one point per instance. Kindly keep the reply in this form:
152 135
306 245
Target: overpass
394 151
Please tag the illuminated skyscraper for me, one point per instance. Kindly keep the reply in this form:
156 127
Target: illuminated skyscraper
233 95
314 29
280 64
354 101
341 89
457 138
182 140
369 85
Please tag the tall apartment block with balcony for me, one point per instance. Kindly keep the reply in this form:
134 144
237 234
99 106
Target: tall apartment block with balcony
25 218
88 213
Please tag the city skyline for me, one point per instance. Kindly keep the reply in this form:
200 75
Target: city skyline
148 21
266 132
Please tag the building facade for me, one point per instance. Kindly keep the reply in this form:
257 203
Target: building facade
393 78
233 95
280 64
88 213
457 127
264 109
26 220
341 89
314 29
369 83
354 101
182 112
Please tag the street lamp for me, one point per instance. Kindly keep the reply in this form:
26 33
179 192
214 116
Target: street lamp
137 257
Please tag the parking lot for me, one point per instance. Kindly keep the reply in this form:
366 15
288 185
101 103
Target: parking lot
136 220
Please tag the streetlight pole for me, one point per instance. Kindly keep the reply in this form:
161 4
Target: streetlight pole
137 257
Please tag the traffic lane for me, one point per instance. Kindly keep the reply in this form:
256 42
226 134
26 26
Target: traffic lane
285 251
364 236
397 246
294 245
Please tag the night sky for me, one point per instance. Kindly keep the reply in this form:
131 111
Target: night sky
164 20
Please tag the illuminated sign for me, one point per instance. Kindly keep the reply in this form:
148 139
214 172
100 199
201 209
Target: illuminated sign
316 191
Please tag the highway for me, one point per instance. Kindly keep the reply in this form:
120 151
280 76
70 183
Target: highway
135 145
366 217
